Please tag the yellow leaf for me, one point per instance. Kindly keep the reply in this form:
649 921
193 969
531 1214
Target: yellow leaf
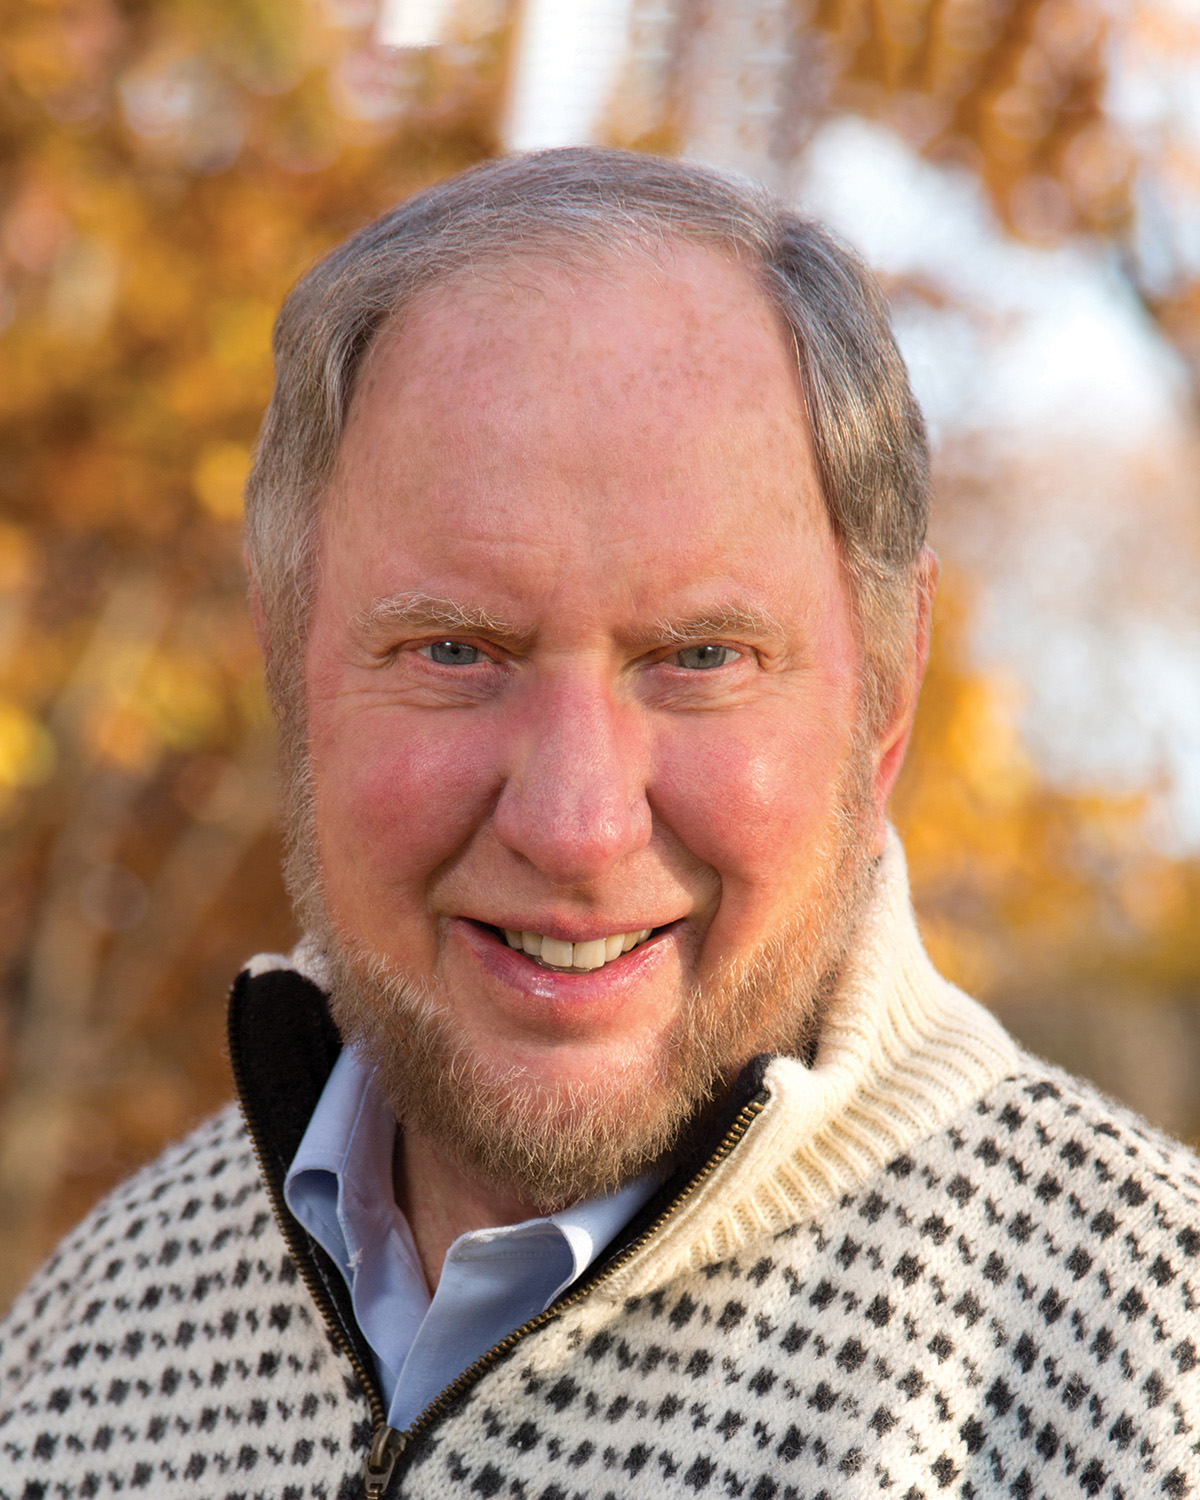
27 750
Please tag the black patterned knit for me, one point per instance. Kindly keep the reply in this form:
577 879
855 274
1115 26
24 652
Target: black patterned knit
1012 1308
930 1266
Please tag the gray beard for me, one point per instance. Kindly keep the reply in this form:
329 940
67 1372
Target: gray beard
553 1145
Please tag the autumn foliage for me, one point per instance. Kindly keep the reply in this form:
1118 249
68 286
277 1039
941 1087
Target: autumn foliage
167 169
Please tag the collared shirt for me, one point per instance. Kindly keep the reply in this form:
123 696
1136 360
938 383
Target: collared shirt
340 1188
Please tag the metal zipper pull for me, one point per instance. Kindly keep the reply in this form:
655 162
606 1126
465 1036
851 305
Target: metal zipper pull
386 1447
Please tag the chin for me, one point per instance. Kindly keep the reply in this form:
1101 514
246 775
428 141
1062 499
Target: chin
552 1130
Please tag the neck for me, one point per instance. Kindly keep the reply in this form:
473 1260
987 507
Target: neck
441 1201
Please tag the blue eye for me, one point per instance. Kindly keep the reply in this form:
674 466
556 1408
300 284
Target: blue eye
704 658
452 653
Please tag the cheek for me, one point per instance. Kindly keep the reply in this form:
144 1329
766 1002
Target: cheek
752 803
394 800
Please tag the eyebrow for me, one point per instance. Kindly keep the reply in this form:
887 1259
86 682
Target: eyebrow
417 611
731 619
426 612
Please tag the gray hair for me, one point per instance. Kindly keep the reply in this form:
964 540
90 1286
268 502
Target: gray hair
590 205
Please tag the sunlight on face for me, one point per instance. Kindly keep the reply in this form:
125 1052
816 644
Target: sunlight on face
582 694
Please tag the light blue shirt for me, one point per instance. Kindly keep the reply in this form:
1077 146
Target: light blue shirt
340 1188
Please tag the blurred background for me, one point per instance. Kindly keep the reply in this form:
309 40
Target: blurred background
1025 177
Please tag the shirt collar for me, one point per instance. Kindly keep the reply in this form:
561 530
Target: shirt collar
351 1138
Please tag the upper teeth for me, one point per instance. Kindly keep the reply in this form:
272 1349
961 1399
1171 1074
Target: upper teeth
590 955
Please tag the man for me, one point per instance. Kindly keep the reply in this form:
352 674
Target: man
586 537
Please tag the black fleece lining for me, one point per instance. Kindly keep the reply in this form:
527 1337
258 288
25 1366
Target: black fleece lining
283 1046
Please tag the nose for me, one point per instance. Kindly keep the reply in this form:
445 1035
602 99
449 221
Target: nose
574 800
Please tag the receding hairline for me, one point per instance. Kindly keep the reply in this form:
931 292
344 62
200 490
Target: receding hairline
568 255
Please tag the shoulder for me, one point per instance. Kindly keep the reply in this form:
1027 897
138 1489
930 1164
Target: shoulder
1007 1306
1076 1209
1058 1234
174 1302
152 1225
1082 1159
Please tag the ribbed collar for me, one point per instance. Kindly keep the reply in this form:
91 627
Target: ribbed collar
900 1053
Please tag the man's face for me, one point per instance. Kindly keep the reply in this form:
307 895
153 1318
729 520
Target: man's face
582 665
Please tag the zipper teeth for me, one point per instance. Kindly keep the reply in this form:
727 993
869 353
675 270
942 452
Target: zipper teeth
300 1256
484 1363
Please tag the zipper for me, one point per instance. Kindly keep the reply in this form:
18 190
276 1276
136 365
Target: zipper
388 1445
302 1258
382 1457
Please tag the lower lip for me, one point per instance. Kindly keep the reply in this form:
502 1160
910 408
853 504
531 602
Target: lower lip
565 986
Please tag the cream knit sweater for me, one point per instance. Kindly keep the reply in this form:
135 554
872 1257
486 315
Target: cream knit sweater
929 1264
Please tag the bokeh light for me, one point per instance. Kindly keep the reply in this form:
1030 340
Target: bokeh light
1025 175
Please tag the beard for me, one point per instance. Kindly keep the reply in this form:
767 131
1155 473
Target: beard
554 1144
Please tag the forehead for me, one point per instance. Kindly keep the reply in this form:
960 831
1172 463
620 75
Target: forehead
658 299
644 406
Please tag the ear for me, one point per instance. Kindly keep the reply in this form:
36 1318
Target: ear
893 739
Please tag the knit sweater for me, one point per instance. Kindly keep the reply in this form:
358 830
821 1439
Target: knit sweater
927 1264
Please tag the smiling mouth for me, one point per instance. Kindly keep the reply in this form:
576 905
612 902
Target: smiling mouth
575 958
